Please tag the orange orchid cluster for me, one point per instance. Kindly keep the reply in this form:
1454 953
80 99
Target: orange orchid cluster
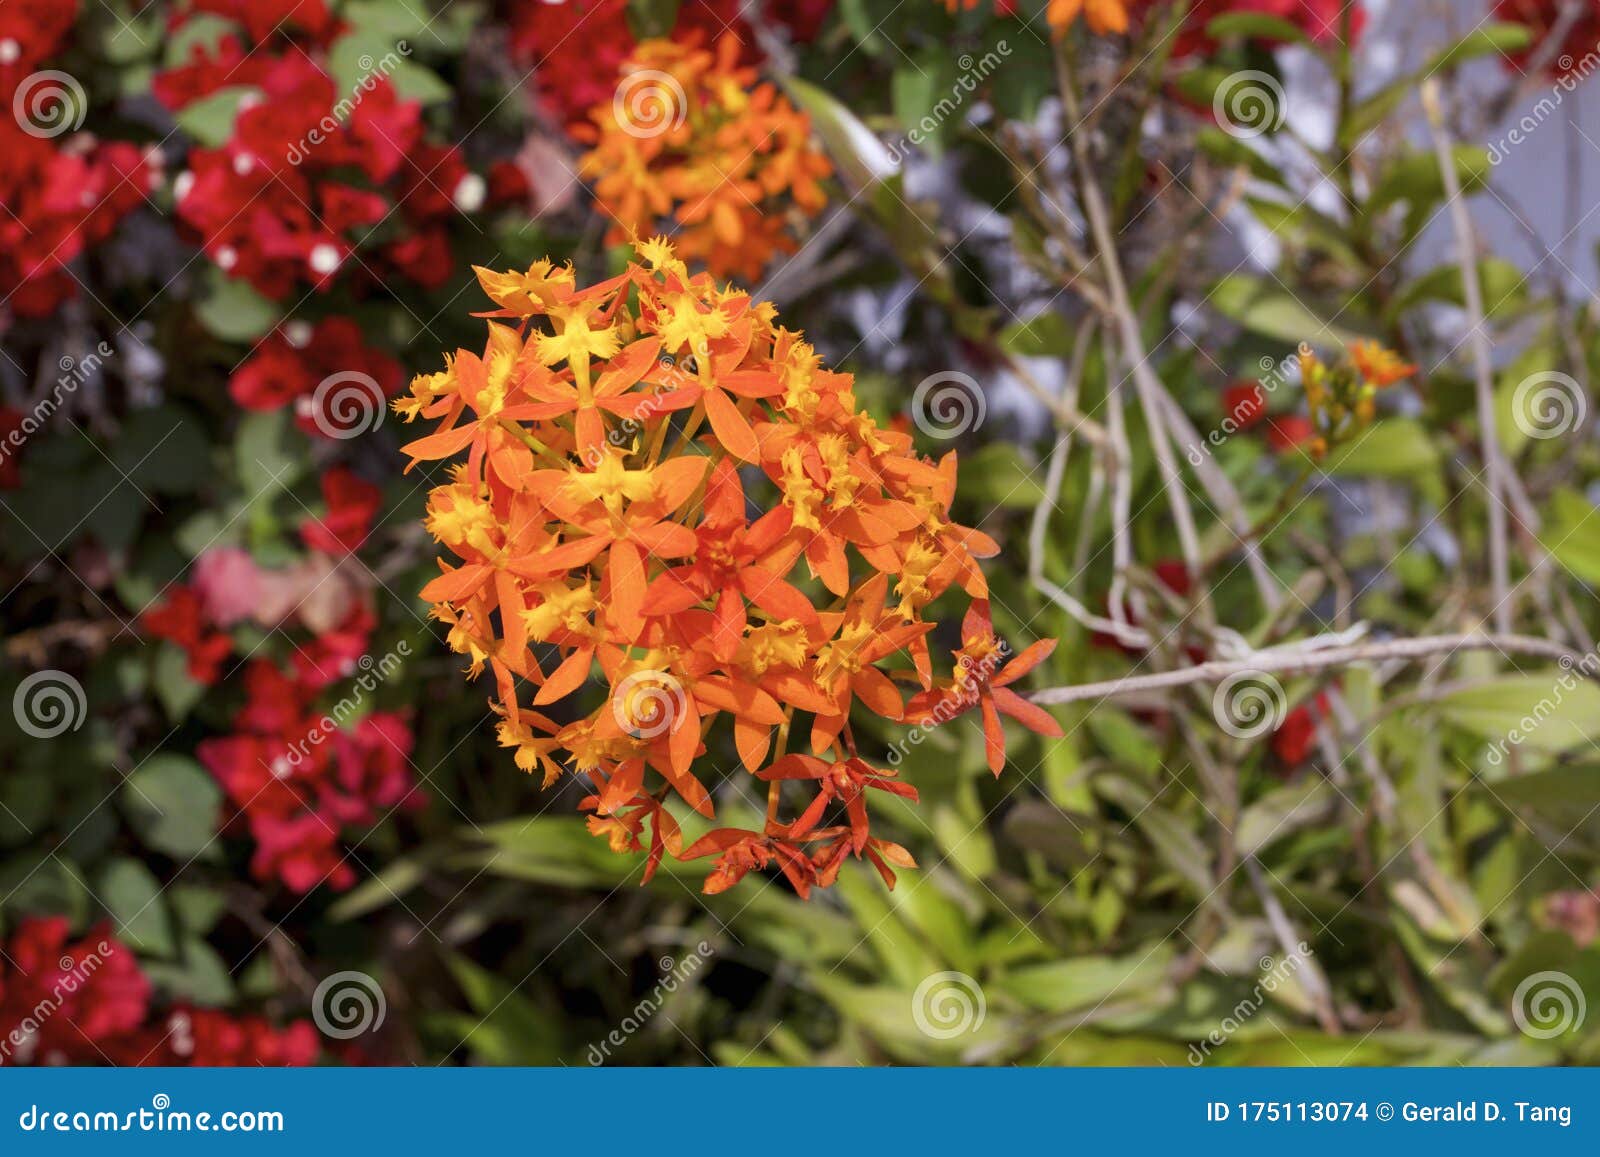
1342 395
691 135
616 438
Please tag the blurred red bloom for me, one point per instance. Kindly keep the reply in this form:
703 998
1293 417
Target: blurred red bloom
60 1001
1245 403
294 360
352 502
1542 17
180 618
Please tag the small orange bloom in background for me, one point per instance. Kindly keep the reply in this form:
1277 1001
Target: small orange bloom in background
1104 17
692 137
664 488
1378 365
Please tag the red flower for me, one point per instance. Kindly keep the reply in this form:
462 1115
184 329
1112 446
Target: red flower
262 19
1292 741
295 359
211 1038
31 32
571 79
300 777
352 503
1318 19
1244 403
60 1002
1289 431
181 619
275 205
61 198
222 65
335 654
1541 17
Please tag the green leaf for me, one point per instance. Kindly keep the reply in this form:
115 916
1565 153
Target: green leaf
650 19
177 692
1283 811
164 449
263 456
173 804
1562 806
513 1030
855 150
1571 534
232 310
1086 981
1045 335
1257 26
209 120
1389 448
132 897
1415 177
199 975
1266 308
1504 289
1230 150
1552 711
1502 38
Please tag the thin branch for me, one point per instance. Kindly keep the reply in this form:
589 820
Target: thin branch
1496 466
1288 661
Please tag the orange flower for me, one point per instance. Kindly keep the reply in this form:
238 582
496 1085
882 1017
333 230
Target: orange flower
666 493
1104 16
692 135
1380 366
